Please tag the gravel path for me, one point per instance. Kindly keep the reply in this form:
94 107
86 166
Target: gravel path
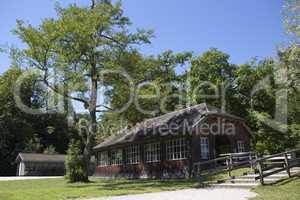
15 178
191 194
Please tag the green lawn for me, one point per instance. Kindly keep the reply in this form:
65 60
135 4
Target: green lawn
224 176
288 189
59 189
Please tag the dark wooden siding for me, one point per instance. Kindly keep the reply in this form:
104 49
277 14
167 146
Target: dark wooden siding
44 169
164 169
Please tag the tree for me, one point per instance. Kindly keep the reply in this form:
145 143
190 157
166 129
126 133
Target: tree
289 63
34 145
110 124
270 140
291 14
21 131
258 86
76 48
158 87
253 94
210 74
50 150
15 130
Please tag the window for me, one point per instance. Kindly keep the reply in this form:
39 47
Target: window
133 154
103 158
116 157
241 146
152 152
177 149
204 147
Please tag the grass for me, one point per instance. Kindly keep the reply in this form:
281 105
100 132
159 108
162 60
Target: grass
224 176
59 189
285 189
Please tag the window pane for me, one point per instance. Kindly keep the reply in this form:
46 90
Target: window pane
116 157
241 146
133 154
176 149
103 158
152 152
204 147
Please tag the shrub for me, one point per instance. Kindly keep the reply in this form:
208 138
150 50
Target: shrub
74 164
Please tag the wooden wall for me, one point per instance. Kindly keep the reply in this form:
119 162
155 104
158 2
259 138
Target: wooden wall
165 169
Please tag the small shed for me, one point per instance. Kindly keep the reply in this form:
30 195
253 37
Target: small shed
34 164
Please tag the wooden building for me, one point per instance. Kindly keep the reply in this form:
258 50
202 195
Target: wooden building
168 145
33 164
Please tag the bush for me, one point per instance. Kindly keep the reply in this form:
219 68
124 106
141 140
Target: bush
74 164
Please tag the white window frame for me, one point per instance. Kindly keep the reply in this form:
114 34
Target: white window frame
177 149
133 154
241 146
116 157
103 159
204 144
152 152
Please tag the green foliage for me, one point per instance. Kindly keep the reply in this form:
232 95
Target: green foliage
209 73
15 129
50 150
253 94
34 145
78 45
289 60
159 89
270 140
110 124
20 131
74 165
291 14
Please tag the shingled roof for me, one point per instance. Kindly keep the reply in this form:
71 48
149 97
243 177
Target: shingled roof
36 157
191 115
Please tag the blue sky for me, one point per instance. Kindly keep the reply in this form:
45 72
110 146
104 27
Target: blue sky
243 29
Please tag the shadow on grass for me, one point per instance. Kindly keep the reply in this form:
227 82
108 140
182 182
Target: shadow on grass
136 184
150 184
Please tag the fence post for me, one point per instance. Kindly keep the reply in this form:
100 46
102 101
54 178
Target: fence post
229 165
198 172
251 160
261 174
287 165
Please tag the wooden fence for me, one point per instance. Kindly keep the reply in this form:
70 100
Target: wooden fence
225 163
274 164
264 166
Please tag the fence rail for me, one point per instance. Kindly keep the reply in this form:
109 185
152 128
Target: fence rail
273 164
225 163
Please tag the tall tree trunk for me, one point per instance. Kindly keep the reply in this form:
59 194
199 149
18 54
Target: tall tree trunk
93 125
